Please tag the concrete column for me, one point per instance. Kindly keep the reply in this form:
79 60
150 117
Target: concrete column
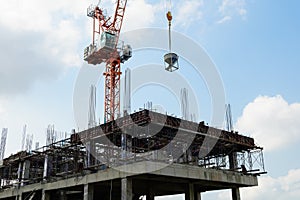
63 195
88 154
198 196
123 146
20 172
235 194
19 197
190 193
91 153
126 189
45 195
26 168
45 172
150 195
233 161
88 193
25 171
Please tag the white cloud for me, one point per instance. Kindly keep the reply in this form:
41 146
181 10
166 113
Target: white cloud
24 61
57 23
285 187
224 19
35 15
242 11
62 42
37 111
139 14
39 40
188 12
230 8
2 110
172 197
271 121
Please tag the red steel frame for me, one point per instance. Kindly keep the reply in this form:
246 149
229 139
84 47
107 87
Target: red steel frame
112 72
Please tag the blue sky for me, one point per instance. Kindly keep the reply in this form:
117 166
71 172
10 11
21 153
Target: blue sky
255 45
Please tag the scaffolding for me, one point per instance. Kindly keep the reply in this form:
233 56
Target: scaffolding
140 136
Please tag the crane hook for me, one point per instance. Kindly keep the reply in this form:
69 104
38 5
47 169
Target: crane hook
169 16
171 59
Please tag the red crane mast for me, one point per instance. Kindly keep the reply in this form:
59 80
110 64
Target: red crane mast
105 49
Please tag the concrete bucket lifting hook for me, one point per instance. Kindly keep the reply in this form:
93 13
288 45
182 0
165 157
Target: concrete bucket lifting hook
171 59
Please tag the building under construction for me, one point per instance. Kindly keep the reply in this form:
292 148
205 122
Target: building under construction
137 156
144 154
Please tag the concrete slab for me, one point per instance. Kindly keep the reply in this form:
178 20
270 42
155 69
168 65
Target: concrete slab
208 179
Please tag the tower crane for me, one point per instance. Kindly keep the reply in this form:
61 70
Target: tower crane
105 48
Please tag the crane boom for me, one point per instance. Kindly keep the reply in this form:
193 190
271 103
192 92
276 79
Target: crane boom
104 48
119 15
